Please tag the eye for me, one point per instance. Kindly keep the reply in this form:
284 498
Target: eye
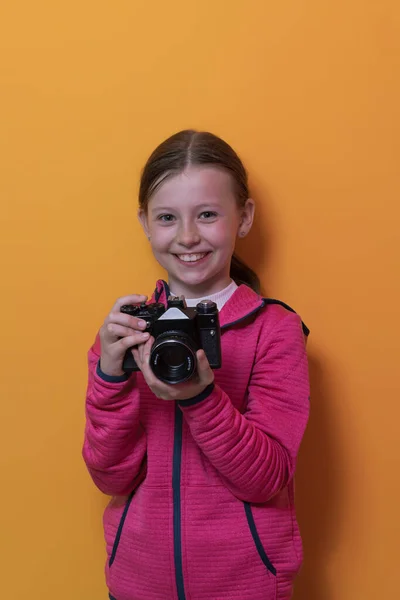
165 218
208 214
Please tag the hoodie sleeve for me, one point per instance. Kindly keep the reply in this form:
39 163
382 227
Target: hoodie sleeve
114 448
255 452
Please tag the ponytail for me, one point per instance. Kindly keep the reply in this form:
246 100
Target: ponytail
241 273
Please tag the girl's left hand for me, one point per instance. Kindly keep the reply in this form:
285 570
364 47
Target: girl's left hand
179 391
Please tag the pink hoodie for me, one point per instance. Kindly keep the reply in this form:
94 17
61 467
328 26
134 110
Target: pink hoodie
203 498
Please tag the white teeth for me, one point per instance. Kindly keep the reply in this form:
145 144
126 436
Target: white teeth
191 257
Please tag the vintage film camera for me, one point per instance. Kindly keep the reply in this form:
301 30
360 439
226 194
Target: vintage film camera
178 333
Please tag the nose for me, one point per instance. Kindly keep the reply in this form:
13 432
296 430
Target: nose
188 235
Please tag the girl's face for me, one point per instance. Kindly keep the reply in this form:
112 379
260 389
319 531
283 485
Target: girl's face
193 220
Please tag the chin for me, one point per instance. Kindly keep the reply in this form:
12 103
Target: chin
196 279
193 278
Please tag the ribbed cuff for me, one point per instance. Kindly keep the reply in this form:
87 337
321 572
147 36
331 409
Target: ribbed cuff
199 398
111 378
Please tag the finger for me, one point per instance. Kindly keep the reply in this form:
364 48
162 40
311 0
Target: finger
204 370
126 320
145 352
142 358
131 299
136 356
157 386
138 353
127 342
119 331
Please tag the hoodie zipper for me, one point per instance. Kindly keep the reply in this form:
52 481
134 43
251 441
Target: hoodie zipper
176 490
176 484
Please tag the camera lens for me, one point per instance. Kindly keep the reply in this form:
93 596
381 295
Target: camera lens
173 357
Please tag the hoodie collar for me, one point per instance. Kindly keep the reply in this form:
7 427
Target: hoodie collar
243 302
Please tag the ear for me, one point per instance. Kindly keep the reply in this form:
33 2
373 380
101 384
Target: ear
246 217
142 216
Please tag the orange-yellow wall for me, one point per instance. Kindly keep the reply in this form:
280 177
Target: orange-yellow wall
309 94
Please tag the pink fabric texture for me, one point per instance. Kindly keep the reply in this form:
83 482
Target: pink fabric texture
202 491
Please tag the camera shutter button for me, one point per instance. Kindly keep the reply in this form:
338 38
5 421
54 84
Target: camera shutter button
206 306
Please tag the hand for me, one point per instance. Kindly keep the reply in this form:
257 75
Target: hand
179 391
118 333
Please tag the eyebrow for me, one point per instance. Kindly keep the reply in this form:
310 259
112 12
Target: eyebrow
199 207
163 208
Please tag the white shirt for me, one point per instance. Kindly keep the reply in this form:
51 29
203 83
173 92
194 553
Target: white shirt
220 298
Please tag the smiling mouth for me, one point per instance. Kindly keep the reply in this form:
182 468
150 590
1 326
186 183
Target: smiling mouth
192 258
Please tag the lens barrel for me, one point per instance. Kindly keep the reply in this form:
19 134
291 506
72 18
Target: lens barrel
173 357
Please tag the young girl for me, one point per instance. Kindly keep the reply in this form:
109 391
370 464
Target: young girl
201 472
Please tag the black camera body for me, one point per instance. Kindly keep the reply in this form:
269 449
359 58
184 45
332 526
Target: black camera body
178 333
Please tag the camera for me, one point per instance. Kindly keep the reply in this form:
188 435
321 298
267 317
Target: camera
178 333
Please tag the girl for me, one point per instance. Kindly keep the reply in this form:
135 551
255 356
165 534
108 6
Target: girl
201 472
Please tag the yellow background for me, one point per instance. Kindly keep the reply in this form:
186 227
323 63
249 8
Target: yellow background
308 92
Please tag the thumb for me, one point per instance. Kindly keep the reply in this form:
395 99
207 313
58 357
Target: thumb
204 370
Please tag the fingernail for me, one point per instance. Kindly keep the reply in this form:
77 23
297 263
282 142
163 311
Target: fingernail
145 336
142 323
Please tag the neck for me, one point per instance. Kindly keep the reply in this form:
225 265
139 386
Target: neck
204 289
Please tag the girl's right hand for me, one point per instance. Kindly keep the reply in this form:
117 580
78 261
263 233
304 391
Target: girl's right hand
118 333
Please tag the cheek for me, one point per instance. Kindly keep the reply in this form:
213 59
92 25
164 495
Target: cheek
224 237
160 238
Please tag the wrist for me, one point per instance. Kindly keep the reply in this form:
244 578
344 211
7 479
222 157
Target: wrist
199 397
110 375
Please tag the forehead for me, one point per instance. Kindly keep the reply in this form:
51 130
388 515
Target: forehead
197 184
